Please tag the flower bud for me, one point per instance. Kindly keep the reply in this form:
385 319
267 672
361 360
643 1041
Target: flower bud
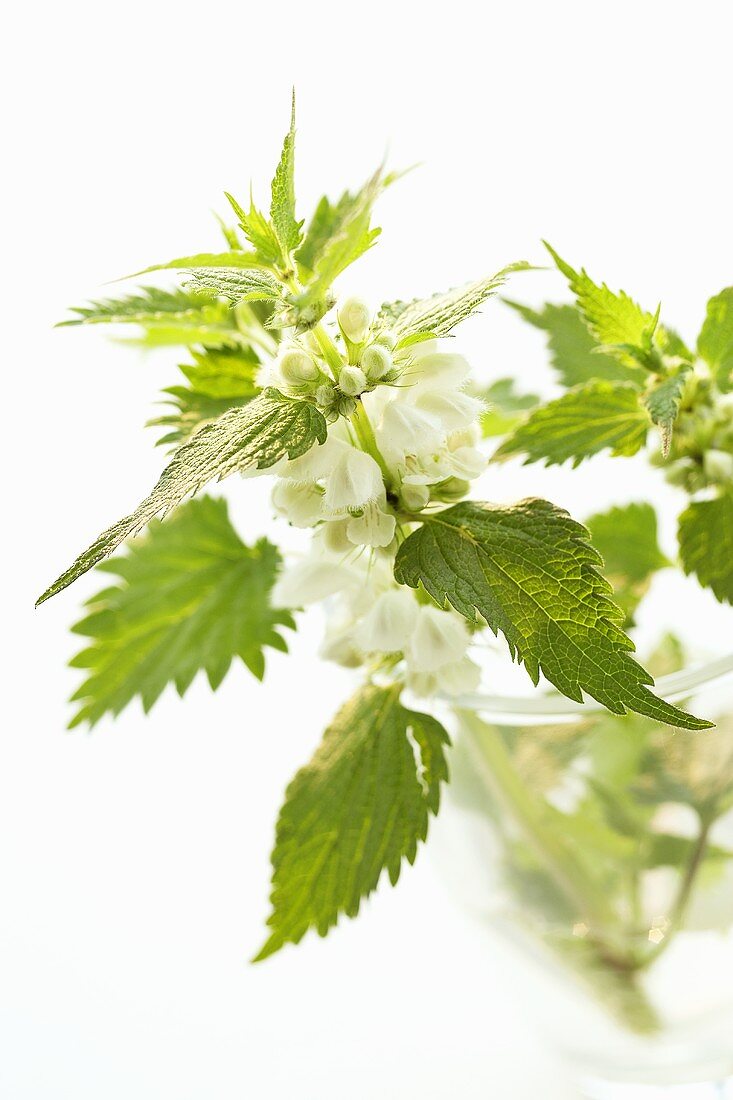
386 338
414 497
325 396
354 318
376 362
454 488
297 367
352 381
345 406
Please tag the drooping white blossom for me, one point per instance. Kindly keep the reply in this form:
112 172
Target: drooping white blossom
387 626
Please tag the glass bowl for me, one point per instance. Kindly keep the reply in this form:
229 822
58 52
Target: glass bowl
600 849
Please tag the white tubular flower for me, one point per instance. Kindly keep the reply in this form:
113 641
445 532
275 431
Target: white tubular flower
466 462
353 481
333 537
459 677
376 362
301 505
316 463
354 317
297 368
451 408
310 581
440 638
389 623
405 430
372 528
340 646
437 369
352 381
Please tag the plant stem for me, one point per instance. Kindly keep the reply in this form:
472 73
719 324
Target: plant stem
330 352
367 441
500 775
682 900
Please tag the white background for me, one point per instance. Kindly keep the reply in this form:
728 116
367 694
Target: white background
135 860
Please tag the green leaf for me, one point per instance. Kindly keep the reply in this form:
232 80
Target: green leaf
663 402
190 596
259 232
626 538
341 237
706 543
359 807
615 320
504 407
253 437
204 261
282 209
338 230
574 353
715 342
530 571
181 317
439 314
217 381
584 421
238 286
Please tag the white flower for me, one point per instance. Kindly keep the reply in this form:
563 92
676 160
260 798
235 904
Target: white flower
354 479
372 528
389 623
459 677
440 638
317 462
433 369
405 430
333 537
354 317
451 408
466 462
310 581
340 646
301 505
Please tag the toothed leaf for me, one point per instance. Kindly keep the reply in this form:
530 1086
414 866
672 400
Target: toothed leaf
706 543
532 574
663 403
715 343
584 421
190 596
282 209
574 353
359 807
255 436
439 314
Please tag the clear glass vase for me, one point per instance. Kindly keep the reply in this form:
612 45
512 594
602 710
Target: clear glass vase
601 849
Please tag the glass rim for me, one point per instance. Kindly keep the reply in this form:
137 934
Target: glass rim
544 707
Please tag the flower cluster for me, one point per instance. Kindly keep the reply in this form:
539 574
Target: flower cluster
403 434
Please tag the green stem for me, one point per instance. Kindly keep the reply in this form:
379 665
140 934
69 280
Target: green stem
367 441
330 352
679 908
510 791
